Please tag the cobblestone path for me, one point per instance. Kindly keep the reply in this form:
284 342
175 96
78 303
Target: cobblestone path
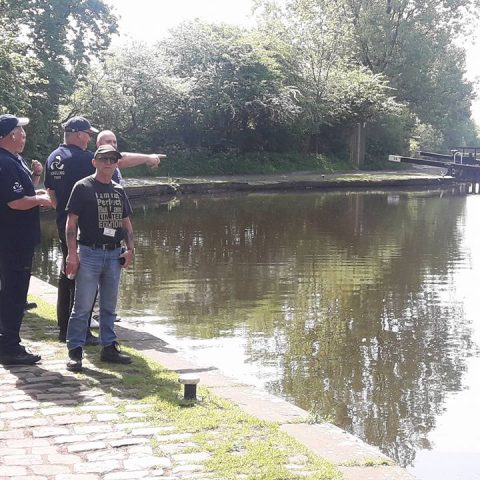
62 426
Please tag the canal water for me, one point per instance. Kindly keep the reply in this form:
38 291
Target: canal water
360 307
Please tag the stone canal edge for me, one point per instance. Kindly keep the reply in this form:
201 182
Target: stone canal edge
296 181
34 435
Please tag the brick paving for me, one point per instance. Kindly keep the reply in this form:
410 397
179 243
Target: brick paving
56 425
59 425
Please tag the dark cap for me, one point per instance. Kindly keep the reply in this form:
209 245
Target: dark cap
9 122
78 124
107 149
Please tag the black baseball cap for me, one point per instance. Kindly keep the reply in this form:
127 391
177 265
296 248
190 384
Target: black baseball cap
78 124
9 122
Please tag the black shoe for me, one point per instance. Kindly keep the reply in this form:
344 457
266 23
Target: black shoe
111 353
62 337
20 357
75 356
91 339
30 306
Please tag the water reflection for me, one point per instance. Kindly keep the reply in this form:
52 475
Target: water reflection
345 303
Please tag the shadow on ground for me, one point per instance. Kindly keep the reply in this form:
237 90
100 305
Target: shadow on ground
51 382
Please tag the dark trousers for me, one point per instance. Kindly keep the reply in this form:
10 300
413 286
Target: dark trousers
15 271
65 293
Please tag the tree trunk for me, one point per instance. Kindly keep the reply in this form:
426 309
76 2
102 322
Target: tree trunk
357 144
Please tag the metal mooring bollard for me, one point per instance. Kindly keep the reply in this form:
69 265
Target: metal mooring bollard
190 385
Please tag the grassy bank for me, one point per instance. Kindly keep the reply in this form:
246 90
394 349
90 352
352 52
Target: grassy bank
182 163
238 446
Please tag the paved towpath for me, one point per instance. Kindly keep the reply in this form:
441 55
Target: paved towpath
56 425
417 176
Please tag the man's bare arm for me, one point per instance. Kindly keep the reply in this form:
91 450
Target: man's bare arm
53 197
73 261
28 202
36 180
37 169
133 159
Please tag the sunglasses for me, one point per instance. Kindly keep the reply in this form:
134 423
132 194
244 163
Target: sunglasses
107 159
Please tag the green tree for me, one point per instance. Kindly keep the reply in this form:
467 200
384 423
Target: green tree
409 44
205 87
235 94
18 76
61 36
413 43
318 55
131 93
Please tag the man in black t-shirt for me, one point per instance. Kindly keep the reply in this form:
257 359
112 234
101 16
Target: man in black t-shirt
97 223
20 221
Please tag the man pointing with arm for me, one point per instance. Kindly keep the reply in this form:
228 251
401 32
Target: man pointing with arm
129 159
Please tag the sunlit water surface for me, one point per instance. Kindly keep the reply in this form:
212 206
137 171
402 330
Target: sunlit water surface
362 308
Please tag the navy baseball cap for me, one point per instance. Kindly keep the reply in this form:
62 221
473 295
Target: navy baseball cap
9 122
107 148
78 124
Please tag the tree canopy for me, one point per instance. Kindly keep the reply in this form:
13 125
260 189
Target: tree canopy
47 46
297 82
411 46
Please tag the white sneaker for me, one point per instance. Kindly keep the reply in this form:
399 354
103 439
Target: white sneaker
94 323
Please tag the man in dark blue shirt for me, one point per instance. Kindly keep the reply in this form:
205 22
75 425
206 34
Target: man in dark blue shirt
20 220
65 166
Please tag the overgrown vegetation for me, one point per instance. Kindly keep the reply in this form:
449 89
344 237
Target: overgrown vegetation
203 163
284 95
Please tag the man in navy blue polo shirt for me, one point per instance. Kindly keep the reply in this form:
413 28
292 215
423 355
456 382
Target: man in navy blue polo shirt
65 166
20 221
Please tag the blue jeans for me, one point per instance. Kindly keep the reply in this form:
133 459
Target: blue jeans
97 268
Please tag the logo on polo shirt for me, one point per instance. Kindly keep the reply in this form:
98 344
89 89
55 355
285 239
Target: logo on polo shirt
57 167
57 164
17 187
